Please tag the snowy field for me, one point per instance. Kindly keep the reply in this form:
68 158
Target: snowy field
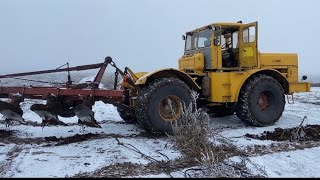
116 149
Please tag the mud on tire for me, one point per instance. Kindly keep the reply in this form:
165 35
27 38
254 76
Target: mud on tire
261 101
154 99
128 118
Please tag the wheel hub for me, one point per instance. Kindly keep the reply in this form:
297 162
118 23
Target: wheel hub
170 108
263 101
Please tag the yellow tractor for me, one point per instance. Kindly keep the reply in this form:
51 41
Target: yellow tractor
222 63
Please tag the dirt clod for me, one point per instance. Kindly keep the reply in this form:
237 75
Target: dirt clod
6 133
51 138
305 133
71 139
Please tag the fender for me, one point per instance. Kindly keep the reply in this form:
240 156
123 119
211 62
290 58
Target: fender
168 72
270 72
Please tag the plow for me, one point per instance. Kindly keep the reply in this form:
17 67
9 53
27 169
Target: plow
66 99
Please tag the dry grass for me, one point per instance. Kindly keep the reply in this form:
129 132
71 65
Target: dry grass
193 137
190 132
211 167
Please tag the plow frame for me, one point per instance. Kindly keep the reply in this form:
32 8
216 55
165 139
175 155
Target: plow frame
74 92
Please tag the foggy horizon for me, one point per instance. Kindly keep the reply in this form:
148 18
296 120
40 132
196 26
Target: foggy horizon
144 35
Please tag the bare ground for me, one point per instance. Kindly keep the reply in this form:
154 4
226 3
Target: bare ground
283 138
311 139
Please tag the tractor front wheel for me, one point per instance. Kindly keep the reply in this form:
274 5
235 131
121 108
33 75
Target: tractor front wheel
161 102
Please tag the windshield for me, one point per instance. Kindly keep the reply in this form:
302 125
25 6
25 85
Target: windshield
200 40
191 41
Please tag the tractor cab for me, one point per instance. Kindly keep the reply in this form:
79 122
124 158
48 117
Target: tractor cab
220 46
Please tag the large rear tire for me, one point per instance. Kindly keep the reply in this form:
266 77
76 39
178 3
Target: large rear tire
261 101
160 103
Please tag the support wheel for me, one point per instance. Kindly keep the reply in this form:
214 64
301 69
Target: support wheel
261 101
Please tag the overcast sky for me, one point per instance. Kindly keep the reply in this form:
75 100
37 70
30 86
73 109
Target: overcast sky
145 35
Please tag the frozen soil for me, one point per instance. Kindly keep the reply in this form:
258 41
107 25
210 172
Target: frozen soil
124 150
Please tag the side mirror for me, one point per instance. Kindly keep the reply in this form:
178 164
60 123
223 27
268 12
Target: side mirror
304 78
183 37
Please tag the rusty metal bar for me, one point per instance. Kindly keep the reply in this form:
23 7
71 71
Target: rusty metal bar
116 74
100 74
62 91
77 68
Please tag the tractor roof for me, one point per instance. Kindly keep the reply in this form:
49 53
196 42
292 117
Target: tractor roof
222 24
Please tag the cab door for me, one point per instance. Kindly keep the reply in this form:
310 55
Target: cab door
248 45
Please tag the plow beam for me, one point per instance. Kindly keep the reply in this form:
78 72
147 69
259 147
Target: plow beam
77 68
44 92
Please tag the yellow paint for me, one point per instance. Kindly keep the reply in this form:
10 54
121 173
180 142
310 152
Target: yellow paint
168 72
299 87
192 64
226 82
216 57
226 85
248 52
140 74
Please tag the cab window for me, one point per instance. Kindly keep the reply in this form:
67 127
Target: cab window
205 38
249 35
